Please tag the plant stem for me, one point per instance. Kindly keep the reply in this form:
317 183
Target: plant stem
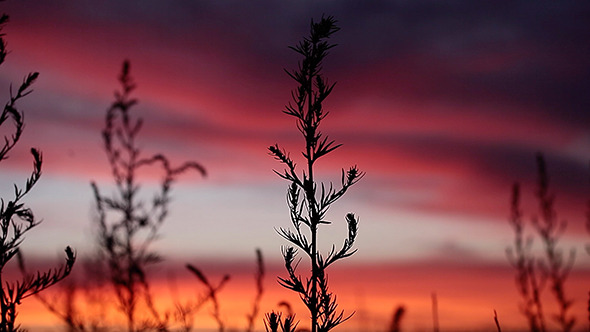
314 217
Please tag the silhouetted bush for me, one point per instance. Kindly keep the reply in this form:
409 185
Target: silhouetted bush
308 200
15 218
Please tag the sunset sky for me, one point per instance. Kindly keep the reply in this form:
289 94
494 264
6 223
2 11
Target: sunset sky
443 104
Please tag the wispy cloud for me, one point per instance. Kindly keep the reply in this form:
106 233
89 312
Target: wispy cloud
443 103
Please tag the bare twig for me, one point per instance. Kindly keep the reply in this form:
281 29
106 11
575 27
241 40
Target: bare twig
496 321
259 277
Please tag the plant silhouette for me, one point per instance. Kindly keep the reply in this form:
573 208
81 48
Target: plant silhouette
308 200
532 273
273 321
527 274
127 226
15 218
555 266
127 273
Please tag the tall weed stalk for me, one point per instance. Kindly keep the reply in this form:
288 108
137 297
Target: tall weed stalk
308 200
128 226
15 218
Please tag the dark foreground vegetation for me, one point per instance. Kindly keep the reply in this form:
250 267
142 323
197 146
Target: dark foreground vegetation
308 200
16 219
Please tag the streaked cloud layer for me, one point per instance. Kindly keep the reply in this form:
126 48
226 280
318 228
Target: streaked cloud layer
444 105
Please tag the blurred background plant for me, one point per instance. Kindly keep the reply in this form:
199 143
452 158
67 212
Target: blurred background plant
213 290
127 227
553 268
125 237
